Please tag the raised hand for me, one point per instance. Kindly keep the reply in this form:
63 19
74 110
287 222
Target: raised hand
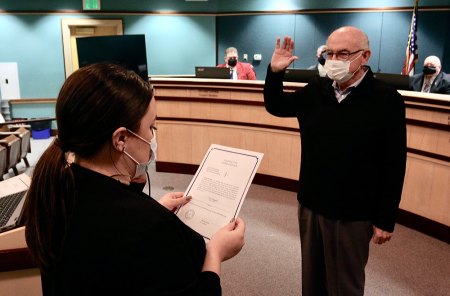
283 55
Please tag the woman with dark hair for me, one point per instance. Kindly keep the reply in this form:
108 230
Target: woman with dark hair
89 229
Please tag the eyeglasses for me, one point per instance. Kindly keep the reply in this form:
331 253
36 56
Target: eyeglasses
153 129
341 55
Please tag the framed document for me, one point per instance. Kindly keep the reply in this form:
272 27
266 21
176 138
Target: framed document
218 188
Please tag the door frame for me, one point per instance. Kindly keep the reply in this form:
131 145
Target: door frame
66 24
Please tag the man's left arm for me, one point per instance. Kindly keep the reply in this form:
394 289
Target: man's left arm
393 153
380 236
446 81
251 74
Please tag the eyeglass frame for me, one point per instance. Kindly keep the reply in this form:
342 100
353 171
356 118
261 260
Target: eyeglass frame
330 54
153 129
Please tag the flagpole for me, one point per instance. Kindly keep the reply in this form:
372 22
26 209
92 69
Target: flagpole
406 64
409 39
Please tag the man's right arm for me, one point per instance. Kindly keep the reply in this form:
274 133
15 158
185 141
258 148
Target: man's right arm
415 83
276 101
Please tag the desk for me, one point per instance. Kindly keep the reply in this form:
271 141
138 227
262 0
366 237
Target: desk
18 272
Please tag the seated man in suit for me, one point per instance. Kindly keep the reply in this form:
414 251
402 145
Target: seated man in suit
432 80
238 70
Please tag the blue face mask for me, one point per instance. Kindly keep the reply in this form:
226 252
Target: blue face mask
142 167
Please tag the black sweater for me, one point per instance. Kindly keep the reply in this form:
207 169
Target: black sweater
353 154
122 242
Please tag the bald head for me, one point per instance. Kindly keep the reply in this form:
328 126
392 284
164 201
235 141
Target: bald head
432 61
351 36
431 66
351 45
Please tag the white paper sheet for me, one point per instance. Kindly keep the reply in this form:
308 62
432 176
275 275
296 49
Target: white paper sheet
218 188
14 184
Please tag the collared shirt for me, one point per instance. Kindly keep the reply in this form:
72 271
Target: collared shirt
233 73
342 94
427 82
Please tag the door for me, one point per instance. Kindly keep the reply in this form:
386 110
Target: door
73 28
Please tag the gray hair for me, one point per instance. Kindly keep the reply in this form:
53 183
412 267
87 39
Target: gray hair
231 50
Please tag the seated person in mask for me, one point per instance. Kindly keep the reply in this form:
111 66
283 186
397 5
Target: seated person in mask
238 70
320 61
432 79
91 231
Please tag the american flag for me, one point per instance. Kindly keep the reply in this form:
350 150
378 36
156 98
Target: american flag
411 49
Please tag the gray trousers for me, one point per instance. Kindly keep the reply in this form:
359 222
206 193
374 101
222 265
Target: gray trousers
334 254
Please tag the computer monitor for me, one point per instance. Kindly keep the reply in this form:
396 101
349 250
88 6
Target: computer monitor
212 72
299 75
397 81
128 51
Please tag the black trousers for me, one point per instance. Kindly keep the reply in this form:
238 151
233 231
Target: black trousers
334 254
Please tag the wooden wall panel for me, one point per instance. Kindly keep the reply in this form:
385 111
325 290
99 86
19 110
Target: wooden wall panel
428 139
281 149
222 112
426 191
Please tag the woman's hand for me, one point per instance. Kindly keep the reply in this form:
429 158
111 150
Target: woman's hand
173 200
229 240
224 244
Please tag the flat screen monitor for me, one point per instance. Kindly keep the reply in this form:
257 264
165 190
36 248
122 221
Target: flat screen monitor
299 75
128 51
397 81
212 72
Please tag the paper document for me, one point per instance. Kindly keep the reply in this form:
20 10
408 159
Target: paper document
14 184
218 188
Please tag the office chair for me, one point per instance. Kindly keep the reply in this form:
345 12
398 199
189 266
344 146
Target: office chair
25 140
3 152
12 145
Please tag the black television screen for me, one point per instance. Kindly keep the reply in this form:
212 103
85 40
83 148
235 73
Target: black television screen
212 72
126 50
397 81
299 75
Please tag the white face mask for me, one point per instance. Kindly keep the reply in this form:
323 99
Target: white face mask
153 147
142 167
339 71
